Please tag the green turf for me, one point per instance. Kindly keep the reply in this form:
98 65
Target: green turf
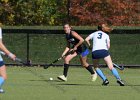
33 83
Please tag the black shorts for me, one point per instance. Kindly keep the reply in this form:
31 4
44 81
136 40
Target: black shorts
98 54
82 50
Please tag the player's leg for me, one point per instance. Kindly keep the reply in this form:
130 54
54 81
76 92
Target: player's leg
100 72
83 60
67 59
3 75
96 55
108 61
113 70
84 63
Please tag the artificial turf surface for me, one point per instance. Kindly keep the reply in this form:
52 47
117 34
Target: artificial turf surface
32 83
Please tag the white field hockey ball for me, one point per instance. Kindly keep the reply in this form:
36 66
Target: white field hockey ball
51 78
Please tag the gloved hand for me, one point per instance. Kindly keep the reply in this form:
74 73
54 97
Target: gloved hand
12 56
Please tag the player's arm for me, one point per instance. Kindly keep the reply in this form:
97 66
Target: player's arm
88 41
108 44
77 36
6 51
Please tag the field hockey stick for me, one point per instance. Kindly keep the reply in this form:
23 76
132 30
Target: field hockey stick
16 59
68 53
119 67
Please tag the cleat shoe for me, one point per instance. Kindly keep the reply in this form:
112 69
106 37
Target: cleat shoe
94 77
62 78
105 83
1 91
120 82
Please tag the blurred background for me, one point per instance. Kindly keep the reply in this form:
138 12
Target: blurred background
76 12
32 29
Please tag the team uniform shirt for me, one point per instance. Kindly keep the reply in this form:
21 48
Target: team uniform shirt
0 38
0 33
82 49
100 40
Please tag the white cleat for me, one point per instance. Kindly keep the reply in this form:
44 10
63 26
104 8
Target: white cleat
1 91
62 78
94 77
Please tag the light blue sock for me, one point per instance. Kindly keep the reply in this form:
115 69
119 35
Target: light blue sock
1 81
115 73
101 74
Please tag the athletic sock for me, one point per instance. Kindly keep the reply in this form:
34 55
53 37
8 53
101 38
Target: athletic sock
1 81
115 73
101 74
90 69
66 67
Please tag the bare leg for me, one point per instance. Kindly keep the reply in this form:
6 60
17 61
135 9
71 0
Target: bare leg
99 72
113 70
83 61
110 66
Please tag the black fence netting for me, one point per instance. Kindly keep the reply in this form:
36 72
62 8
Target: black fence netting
44 46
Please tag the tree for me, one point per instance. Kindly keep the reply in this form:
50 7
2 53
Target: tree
32 12
116 12
80 12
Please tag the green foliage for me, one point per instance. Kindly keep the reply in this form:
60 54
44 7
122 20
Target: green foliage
116 12
32 12
76 12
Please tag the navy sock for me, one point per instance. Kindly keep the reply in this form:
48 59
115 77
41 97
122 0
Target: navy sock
66 67
90 69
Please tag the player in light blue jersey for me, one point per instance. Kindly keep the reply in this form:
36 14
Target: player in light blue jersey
101 45
3 75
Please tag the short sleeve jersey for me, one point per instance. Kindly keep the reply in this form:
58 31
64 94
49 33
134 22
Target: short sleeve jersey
1 38
100 40
0 33
71 39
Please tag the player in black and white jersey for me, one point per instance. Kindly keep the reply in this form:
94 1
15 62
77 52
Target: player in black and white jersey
76 45
101 45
